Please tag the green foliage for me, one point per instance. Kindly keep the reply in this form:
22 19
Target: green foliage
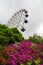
37 62
9 35
36 39
1 48
29 63
21 64
17 35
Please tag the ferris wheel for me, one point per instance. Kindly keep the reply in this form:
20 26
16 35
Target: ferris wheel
19 19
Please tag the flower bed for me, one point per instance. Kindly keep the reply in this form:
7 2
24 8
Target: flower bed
22 53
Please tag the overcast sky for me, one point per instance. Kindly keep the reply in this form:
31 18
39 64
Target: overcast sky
35 11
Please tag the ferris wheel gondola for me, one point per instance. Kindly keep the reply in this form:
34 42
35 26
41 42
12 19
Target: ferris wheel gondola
18 18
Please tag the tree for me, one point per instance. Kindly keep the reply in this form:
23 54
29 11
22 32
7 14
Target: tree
9 35
36 39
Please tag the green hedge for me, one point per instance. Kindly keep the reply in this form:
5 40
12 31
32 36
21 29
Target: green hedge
9 35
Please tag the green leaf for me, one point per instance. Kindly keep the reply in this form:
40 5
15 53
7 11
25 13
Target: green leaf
21 64
29 63
37 62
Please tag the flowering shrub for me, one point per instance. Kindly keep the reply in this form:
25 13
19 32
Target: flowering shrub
22 53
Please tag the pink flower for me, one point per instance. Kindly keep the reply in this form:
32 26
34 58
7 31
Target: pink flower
13 62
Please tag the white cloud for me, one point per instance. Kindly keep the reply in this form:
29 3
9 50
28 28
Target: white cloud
38 2
40 30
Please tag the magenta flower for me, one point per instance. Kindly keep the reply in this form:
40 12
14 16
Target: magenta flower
23 52
41 64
